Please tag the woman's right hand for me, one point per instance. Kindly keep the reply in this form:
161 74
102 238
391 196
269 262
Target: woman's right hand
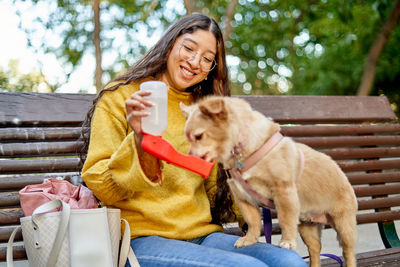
135 110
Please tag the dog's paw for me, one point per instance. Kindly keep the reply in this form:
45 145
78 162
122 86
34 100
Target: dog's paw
288 244
244 241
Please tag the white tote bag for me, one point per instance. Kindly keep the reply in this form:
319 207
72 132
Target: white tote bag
76 238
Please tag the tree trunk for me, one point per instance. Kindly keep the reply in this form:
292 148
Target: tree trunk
96 42
190 6
375 51
149 9
230 11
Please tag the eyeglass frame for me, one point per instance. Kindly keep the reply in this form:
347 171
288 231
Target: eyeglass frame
213 62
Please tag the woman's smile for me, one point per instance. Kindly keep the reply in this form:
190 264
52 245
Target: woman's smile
187 72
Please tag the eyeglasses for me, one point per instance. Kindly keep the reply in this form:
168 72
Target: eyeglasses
207 62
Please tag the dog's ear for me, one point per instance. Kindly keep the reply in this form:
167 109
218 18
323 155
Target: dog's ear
185 110
214 108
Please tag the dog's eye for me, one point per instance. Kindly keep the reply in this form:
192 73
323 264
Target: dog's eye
198 137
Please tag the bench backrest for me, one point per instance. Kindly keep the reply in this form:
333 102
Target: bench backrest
39 133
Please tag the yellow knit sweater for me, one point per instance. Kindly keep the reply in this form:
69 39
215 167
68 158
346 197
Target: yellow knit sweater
180 207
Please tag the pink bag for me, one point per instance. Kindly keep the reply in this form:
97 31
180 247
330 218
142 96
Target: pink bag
78 197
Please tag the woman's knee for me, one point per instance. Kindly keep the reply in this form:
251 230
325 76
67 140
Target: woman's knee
275 256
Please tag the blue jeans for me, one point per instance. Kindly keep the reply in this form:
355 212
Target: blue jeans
216 249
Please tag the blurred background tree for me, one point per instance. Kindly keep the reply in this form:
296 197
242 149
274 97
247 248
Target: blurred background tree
315 47
14 81
110 31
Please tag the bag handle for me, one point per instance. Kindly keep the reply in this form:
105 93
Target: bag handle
62 228
10 260
132 258
126 251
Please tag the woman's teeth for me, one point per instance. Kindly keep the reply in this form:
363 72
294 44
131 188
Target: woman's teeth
187 72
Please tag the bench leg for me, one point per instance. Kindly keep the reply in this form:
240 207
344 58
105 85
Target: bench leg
388 234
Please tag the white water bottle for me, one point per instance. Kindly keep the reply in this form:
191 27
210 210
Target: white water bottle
156 123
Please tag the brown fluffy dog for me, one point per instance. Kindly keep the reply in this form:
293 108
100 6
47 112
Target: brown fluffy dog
217 126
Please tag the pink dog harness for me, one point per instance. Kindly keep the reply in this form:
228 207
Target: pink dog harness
260 153
241 167
235 173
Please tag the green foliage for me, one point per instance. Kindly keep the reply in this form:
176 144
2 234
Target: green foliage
12 80
323 44
313 47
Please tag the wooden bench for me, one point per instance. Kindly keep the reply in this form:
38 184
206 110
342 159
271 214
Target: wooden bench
39 138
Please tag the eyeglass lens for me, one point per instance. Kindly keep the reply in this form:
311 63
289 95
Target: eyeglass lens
207 62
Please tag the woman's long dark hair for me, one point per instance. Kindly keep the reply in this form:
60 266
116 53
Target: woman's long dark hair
153 64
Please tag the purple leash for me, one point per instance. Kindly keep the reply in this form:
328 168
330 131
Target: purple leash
267 220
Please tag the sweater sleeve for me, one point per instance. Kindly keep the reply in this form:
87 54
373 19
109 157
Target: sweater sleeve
112 169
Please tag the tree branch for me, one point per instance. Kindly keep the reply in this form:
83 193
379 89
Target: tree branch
375 51
190 6
149 10
96 41
230 11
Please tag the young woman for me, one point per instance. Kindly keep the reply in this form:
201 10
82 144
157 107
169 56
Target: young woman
175 215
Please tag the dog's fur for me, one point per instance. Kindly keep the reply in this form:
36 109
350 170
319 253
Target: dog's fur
216 125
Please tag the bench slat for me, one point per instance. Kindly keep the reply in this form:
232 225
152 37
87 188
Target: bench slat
39 149
386 257
369 165
71 147
72 164
12 199
18 182
39 165
10 216
383 216
373 178
21 109
5 232
305 130
9 199
23 134
349 141
362 153
379 203
376 190
18 108
315 109
18 253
